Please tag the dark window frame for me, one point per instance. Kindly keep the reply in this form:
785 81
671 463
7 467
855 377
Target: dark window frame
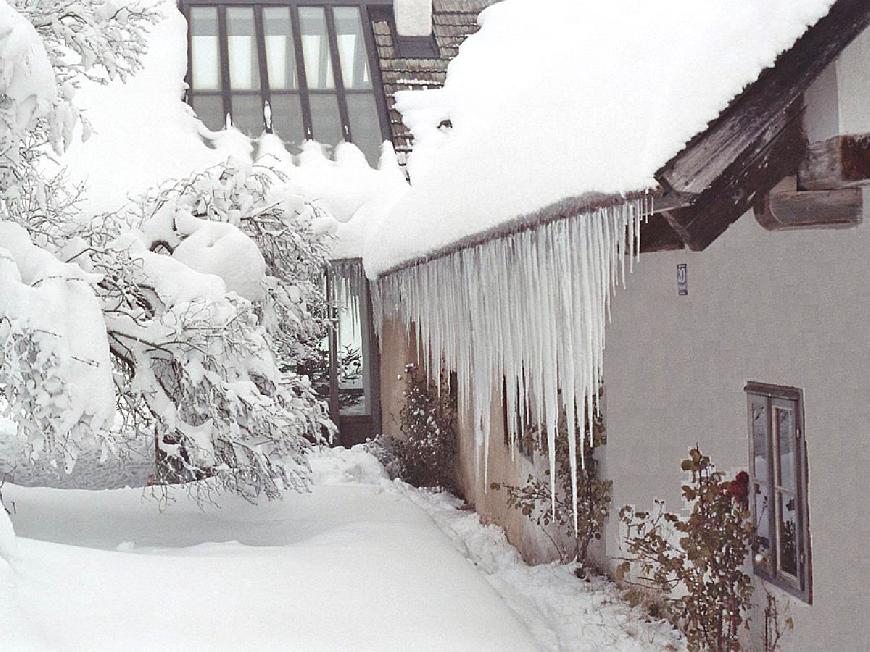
407 47
785 397
354 428
265 92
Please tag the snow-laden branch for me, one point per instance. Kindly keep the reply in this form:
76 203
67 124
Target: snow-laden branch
54 349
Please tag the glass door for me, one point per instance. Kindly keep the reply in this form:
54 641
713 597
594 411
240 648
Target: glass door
353 360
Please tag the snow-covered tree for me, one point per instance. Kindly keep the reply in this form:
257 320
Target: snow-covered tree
180 317
209 329
255 199
47 49
47 309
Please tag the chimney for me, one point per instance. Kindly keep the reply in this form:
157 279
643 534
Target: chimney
413 17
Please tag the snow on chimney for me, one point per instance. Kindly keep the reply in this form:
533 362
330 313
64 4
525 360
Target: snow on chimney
413 17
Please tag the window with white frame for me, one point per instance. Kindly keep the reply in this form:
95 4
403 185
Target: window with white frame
778 471
301 71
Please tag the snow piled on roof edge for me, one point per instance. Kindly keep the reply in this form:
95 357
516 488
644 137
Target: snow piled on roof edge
600 96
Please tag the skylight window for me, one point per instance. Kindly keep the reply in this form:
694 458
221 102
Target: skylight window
301 71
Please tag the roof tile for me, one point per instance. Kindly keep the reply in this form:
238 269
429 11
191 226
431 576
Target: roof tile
453 22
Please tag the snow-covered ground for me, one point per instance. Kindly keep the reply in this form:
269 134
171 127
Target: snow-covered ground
361 563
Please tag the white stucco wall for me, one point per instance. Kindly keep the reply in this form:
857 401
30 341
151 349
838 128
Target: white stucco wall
838 102
822 113
789 308
853 78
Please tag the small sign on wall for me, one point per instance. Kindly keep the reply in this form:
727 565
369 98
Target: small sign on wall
682 279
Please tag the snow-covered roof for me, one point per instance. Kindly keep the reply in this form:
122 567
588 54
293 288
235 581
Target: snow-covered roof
554 99
453 21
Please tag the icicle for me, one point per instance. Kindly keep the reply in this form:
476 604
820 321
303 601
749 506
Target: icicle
521 317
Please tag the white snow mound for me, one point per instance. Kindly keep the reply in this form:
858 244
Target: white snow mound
223 250
26 75
331 466
7 537
55 301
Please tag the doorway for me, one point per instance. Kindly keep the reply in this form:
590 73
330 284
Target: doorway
354 400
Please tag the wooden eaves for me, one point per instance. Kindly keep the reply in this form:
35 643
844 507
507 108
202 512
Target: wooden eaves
756 142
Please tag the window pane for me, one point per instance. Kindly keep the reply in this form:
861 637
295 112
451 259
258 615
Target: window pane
325 120
210 109
365 128
205 56
351 48
788 534
280 55
760 440
351 369
287 117
247 114
761 511
354 376
785 435
315 47
242 48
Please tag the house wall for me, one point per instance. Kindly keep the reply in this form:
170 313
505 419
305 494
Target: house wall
853 79
788 308
397 350
838 101
822 113
475 483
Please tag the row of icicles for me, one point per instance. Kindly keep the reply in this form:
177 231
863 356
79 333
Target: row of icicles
524 313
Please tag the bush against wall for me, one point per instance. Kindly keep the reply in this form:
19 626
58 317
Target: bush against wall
697 563
555 517
428 454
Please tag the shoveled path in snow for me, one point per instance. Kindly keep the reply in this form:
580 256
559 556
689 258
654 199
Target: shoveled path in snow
359 564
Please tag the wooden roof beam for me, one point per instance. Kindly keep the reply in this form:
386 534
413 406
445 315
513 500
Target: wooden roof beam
657 235
757 140
709 154
775 154
839 162
786 207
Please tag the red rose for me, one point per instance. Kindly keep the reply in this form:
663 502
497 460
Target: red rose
738 488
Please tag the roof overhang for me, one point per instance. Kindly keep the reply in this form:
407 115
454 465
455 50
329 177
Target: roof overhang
755 142
569 207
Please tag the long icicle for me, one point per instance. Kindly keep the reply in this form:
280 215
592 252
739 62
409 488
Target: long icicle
523 317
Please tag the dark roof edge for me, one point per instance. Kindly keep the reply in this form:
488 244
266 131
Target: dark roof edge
554 212
771 93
